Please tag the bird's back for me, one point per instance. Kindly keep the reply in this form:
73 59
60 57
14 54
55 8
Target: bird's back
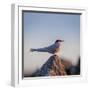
53 48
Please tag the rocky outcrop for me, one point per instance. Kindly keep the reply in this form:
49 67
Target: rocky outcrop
54 66
57 68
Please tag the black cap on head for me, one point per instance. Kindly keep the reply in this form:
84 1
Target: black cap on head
59 41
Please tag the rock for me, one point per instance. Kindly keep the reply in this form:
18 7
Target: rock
56 66
52 67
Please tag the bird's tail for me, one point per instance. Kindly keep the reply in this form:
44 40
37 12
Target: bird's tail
32 50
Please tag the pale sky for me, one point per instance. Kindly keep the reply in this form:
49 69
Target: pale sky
42 30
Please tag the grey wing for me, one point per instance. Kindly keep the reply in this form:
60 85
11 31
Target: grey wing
52 48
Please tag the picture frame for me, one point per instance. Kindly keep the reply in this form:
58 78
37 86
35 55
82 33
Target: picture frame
17 46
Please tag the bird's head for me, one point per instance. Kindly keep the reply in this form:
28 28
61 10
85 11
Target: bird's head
59 41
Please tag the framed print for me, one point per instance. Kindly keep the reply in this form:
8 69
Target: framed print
47 43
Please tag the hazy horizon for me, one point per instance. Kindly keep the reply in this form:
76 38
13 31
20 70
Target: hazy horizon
42 29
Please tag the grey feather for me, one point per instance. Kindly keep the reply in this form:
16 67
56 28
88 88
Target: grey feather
49 49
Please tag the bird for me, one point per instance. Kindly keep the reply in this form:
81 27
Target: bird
54 48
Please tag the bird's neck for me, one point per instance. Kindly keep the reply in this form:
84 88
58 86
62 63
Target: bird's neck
58 43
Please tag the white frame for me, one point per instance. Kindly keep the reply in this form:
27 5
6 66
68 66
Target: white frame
16 71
